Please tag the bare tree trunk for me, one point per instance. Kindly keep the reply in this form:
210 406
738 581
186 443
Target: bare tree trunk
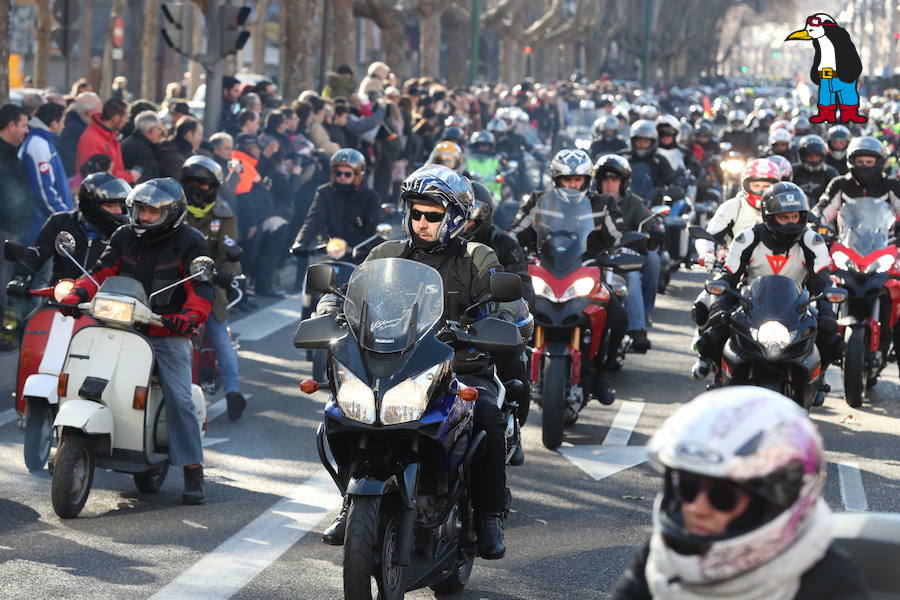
4 49
42 55
259 36
343 33
194 67
429 41
84 42
149 45
390 20
456 29
106 77
296 46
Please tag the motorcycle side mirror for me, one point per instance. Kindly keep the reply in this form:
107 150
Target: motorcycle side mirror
700 233
836 295
203 268
64 243
506 287
320 279
384 230
388 208
13 251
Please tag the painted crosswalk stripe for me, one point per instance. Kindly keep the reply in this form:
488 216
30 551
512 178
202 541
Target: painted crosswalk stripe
267 321
852 492
231 566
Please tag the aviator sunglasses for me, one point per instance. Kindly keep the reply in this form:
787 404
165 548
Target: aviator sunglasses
432 217
722 495
343 174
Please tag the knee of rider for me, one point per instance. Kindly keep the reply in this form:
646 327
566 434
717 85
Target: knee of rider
699 313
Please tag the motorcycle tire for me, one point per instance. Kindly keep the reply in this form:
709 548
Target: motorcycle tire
38 434
149 482
554 391
73 474
365 551
855 368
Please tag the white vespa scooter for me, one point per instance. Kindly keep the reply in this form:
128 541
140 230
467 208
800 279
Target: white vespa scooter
111 408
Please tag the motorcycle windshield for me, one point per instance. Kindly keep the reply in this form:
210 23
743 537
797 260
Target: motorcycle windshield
774 298
563 221
865 224
392 302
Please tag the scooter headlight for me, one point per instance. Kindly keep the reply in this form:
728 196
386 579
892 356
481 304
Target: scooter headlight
774 338
882 265
582 287
62 289
407 400
542 289
355 398
113 310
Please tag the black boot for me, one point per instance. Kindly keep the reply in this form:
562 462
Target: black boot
489 529
193 486
640 343
334 534
518 456
602 391
236 405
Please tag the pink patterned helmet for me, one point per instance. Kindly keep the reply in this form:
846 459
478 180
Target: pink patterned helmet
758 169
757 439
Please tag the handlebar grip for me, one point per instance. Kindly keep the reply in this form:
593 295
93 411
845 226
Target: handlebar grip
85 306
156 320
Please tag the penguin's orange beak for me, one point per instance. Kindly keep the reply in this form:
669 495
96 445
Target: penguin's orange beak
800 34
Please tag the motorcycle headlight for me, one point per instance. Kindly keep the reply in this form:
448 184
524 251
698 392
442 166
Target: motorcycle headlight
583 144
774 338
882 265
117 311
355 398
843 262
407 400
733 166
582 287
62 289
542 289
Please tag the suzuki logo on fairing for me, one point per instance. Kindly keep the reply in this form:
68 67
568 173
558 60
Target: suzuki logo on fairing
777 262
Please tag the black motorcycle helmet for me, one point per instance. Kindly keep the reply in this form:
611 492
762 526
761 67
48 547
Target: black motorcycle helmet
164 194
784 197
482 210
612 165
866 146
454 134
809 145
201 178
103 188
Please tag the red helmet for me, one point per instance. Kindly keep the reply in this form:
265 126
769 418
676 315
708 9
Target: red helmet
760 169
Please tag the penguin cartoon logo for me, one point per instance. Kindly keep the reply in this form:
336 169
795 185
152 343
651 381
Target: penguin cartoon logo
836 68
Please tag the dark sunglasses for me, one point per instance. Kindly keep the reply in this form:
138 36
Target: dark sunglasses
722 495
432 217
343 173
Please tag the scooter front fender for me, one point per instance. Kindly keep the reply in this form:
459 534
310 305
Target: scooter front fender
41 385
90 417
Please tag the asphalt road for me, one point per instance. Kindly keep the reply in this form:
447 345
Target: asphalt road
569 535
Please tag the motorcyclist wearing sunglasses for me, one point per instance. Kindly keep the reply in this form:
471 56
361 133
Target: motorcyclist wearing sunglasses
344 207
741 513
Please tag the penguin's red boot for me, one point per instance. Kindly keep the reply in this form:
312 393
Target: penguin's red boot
827 114
849 114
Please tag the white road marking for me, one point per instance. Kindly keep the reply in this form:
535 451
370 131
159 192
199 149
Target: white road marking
852 492
8 416
232 565
211 441
220 407
267 321
614 454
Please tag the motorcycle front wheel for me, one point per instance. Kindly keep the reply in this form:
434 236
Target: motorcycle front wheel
855 368
370 547
553 391
73 474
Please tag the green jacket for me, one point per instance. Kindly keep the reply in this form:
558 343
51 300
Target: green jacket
215 226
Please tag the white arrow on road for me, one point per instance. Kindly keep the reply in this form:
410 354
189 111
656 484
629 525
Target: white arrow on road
614 454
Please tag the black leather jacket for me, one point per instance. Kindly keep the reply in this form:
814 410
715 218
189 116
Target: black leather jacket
89 245
351 216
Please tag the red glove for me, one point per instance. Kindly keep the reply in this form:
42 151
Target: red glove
180 324
70 303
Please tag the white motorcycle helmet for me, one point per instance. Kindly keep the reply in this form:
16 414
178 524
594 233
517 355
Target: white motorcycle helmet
754 438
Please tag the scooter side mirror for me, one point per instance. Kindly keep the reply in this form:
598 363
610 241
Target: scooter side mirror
64 243
203 268
506 287
320 278
13 251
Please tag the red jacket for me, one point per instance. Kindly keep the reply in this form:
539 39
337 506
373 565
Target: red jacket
99 139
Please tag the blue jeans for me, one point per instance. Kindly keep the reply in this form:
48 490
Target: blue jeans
642 286
227 357
834 91
173 359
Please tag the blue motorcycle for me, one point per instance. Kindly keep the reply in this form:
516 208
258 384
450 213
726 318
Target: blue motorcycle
399 424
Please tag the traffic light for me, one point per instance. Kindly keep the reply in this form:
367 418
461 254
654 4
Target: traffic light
234 36
66 33
172 31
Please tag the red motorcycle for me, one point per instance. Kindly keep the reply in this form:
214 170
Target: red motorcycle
206 372
569 311
865 264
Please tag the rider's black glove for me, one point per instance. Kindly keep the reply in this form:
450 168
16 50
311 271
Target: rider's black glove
223 279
